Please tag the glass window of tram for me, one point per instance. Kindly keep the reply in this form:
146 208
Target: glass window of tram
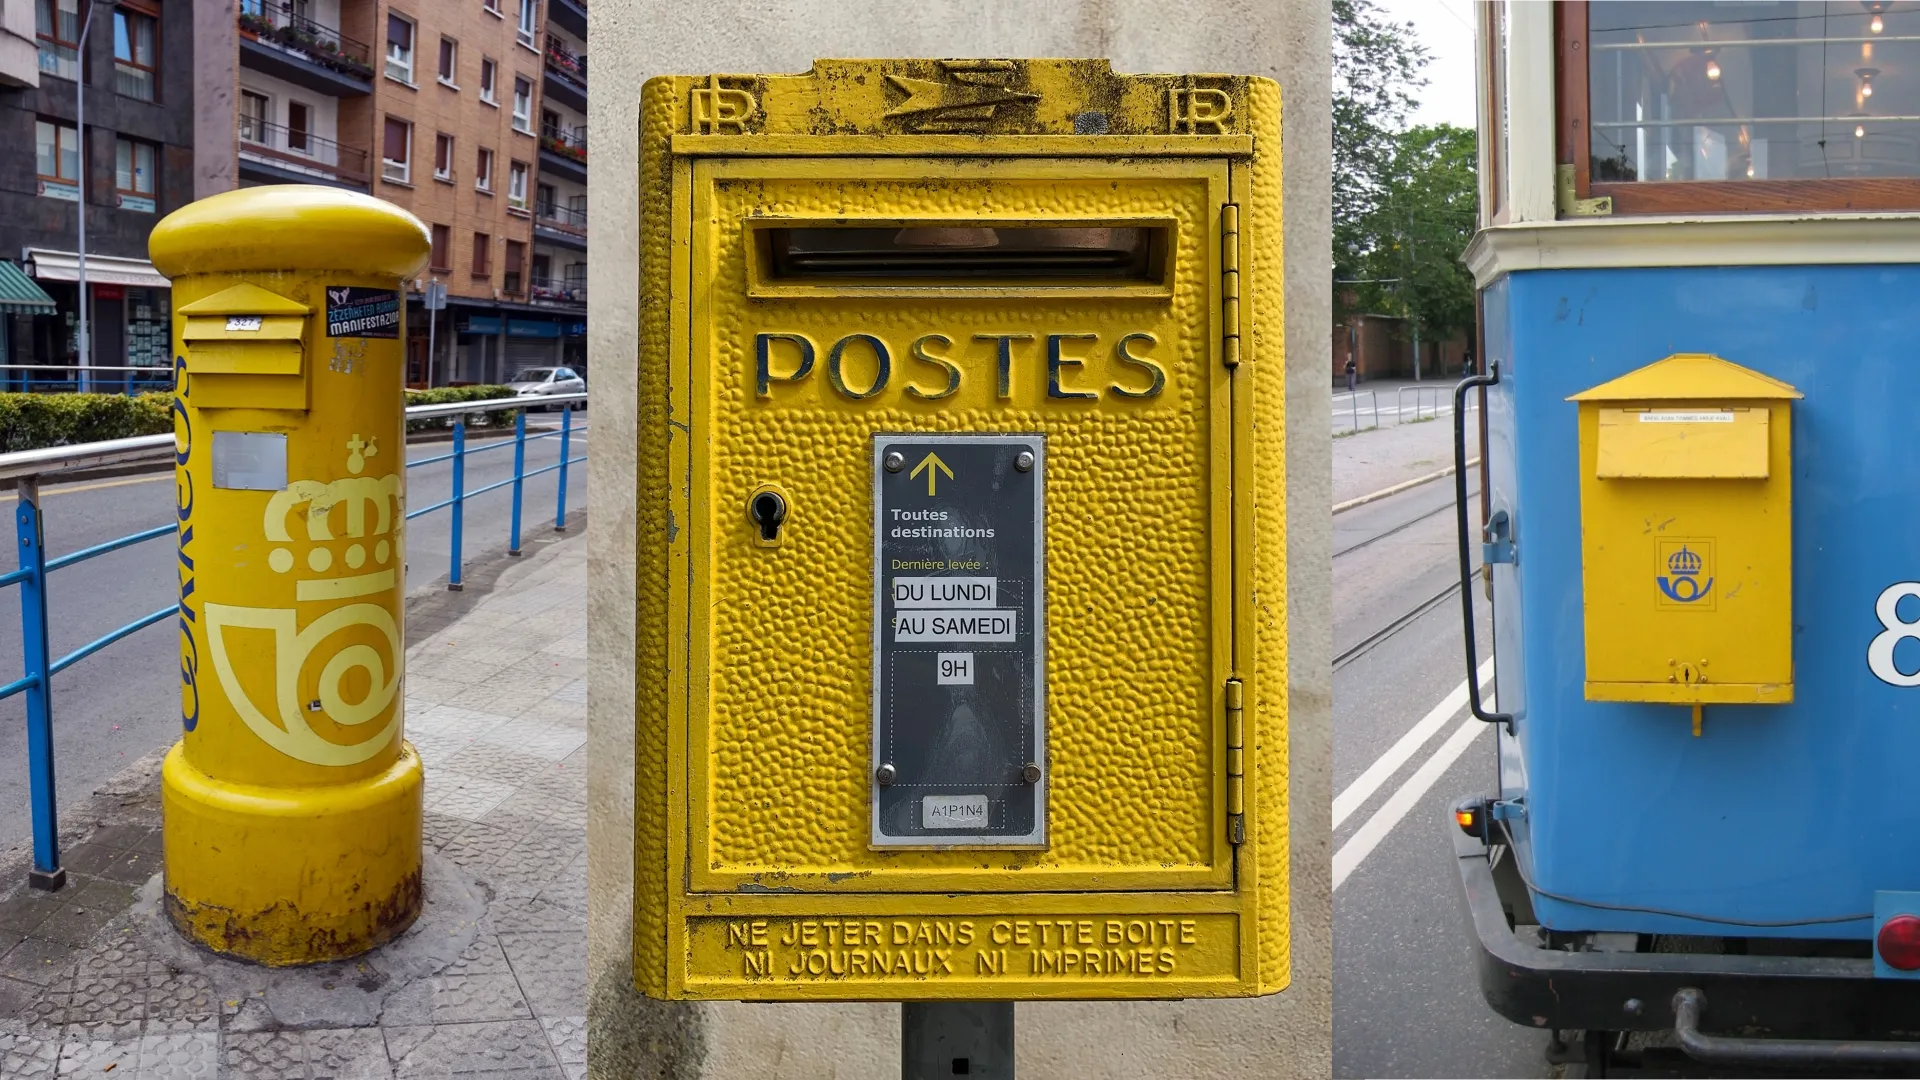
1717 92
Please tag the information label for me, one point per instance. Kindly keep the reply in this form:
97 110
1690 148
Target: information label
353 311
959 678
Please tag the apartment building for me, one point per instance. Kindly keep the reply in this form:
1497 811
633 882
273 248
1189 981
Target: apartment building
438 107
129 165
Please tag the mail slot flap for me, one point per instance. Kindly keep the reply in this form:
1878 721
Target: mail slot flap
1703 442
255 357
244 328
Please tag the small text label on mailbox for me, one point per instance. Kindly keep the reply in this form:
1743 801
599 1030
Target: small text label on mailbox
1068 366
953 812
943 592
956 626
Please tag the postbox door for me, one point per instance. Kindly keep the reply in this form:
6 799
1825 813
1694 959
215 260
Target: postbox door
955 314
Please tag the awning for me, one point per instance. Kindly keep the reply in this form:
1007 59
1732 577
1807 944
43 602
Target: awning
19 295
49 265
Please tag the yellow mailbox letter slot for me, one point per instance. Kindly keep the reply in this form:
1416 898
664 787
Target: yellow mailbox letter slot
246 344
1686 535
962 648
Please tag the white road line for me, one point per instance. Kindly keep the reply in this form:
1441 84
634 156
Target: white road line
1362 842
1362 789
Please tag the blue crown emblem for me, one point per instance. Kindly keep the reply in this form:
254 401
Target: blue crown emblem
1683 562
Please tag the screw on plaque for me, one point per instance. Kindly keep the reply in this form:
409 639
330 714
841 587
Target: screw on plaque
1024 462
1031 774
895 461
768 510
884 774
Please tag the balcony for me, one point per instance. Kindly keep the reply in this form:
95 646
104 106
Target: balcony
566 74
275 154
560 226
558 292
563 151
303 52
570 15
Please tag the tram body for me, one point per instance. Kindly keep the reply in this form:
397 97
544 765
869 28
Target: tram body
1729 850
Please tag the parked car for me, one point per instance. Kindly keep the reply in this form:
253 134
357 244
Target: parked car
545 381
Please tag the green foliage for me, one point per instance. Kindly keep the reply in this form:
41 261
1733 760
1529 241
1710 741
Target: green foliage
1376 70
32 421
1420 230
443 395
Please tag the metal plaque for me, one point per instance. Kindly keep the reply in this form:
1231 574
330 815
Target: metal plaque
249 460
959 657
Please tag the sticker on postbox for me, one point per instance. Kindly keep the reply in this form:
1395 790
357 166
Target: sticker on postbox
959 656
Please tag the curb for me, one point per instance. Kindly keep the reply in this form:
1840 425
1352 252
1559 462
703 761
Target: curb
1405 485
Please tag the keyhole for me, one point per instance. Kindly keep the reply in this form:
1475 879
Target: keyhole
1689 674
769 510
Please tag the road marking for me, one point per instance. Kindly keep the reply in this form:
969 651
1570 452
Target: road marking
1362 842
1382 770
1396 489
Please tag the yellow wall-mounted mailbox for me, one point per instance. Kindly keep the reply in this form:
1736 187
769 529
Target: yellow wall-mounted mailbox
961 629
1686 534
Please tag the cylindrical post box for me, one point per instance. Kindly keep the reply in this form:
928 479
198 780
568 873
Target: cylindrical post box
292 804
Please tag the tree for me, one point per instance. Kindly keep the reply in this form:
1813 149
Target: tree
1418 230
1376 70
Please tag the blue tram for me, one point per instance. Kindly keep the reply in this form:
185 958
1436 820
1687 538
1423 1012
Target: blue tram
1699 279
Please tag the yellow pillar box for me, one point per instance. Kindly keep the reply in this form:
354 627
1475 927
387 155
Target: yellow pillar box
292 804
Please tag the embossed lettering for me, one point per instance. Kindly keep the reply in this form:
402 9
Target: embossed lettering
1121 354
1005 357
919 352
1056 361
763 360
1199 111
881 358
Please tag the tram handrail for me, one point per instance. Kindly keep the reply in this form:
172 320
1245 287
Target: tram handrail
27 467
1492 377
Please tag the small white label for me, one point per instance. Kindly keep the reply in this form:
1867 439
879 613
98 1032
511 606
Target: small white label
953 812
957 625
249 460
243 322
954 669
1686 418
944 592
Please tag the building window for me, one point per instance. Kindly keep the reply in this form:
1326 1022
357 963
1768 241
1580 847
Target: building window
543 200
516 257
483 170
57 26
133 174
136 57
449 60
492 6
443 157
399 49
442 243
299 127
255 110
529 22
487 69
482 255
522 105
517 186
58 147
396 151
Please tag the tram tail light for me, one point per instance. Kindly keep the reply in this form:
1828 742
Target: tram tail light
1899 942
1471 815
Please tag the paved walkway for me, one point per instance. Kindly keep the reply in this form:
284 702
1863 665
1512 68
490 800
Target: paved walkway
489 982
1380 457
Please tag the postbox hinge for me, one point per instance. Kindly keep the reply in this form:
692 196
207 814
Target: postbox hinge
1236 763
1230 284
1567 200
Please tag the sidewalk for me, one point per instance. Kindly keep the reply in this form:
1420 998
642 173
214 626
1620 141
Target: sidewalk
490 981
1377 458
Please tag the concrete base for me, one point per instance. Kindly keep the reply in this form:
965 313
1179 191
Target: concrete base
285 876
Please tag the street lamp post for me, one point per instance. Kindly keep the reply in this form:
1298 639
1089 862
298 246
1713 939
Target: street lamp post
80 126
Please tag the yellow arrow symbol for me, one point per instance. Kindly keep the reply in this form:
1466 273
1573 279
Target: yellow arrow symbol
932 466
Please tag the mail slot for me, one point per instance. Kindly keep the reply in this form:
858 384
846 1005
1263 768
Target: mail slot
246 345
961 657
1686 535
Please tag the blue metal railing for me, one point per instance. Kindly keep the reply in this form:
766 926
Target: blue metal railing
27 468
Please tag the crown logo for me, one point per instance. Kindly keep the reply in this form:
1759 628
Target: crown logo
1683 563
367 500
341 638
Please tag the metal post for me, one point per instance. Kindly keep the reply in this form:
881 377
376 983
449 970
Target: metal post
566 450
944 1039
459 498
80 126
519 476
47 873
433 321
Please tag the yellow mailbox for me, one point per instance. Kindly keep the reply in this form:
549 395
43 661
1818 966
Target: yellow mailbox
961 665
291 804
1686 534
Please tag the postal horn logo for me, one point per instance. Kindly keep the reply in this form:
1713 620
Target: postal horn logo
1689 577
318 709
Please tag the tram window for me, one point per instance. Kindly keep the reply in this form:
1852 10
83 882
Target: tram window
1708 91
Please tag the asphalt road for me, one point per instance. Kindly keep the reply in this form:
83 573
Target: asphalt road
1406 1001
124 701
